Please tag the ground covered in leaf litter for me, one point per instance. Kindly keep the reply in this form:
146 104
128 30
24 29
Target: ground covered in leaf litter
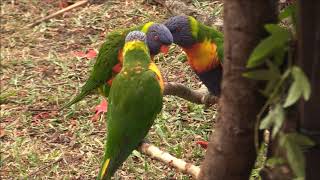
43 67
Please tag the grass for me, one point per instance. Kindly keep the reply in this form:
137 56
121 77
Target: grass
40 71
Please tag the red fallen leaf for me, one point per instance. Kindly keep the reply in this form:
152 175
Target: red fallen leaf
203 144
2 132
91 53
35 122
102 34
100 109
73 122
19 133
42 115
64 3
79 54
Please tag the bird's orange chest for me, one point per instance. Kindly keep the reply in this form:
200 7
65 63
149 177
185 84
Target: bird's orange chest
202 56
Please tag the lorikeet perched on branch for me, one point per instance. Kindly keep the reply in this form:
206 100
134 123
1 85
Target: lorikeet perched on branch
135 100
203 46
109 60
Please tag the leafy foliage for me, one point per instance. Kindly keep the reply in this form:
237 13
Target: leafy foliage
292 142
300 87
285 85
274 119
278 39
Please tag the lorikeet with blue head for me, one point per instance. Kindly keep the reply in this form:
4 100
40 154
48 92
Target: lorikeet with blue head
109 59
203 46
135 99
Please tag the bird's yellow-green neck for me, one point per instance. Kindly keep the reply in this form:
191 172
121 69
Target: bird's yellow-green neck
136 53
141 60
135 45
194 27
146 27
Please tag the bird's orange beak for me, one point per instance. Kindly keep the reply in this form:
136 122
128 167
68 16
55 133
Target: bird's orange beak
164 49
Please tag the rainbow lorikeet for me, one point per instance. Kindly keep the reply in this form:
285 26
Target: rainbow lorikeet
109 59
135 99
203 46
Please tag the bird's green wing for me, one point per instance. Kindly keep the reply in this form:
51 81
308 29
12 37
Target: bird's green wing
102 69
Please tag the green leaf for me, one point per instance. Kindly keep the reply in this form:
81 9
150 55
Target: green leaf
279 56
263 74
300 86
299 76
263 50
293 95
278 31
278 121
274 161
270 87
275 42
266 121
274 69
301 140
274 118
287 11
294 153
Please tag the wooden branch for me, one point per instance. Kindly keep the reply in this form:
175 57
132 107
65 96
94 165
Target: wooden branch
165 157
196 96
77 4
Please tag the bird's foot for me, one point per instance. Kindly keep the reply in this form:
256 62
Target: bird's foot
100 109
203 144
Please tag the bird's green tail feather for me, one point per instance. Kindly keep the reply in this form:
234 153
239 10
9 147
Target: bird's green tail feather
85 90
103 171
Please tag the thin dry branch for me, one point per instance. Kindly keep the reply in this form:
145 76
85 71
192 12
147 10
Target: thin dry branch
165 157
77 4
195 96
45 167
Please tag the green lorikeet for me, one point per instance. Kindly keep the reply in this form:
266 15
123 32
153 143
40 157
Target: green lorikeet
203 46
135 100
109 60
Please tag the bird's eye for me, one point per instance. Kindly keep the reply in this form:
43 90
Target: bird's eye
156 37
178 29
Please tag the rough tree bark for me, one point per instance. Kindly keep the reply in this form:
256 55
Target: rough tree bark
231 153
309 60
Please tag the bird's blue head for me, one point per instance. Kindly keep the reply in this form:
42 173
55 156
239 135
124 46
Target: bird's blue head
183 30
136 36
159 39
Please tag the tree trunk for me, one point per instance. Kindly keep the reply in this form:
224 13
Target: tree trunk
309 60
231 153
